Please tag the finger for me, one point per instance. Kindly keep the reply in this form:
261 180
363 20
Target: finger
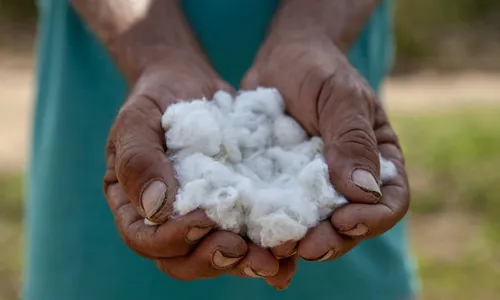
142 168
346 118
174 238
323 243
214 256
258 262
362 220
287 268
285 250
250 80
221 85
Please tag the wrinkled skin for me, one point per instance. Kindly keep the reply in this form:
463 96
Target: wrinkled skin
188 247
323 93
327 96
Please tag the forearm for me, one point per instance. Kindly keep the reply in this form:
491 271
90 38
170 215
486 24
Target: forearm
338 20
139 33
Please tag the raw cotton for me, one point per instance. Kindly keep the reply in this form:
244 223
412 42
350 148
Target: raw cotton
252 168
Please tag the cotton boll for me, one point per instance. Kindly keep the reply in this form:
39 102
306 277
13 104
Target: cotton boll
310 148
313 179
286 161
230 144
257 139
275 229
220 175
252 130
248 120
287 132
284 181
192 167
324 213
246 188
301 209
224 101
262 100
218 115
315 182
247 173
261 166
198 166
251 168
178 111
279 215
224 208
289 223
265 201
198 131
191 196
387 169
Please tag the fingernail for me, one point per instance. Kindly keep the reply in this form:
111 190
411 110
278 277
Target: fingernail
249 272
328 255
359 230
285 247
365 180
153 197
196 233
288 255
222 262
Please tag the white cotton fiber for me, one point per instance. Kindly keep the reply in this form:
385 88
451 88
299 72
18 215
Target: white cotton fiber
252 168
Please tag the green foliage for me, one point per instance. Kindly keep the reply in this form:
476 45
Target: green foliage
18 10
421 25
10 235
454 157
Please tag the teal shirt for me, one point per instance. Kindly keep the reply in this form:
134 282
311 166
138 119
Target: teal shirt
73 249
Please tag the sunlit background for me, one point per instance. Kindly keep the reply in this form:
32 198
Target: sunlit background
443 98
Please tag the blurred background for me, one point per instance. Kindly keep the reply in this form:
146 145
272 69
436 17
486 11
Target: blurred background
443 98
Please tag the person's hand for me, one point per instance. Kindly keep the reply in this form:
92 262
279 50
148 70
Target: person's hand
140 183
326 95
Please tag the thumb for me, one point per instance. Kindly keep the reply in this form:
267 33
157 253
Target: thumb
142 168
346 126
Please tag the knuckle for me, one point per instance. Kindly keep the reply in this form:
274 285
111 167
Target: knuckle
344 87
130 159
386 135
357 135
128 114
139 109
132 166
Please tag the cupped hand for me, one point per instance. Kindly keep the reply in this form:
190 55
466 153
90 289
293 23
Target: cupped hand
140 183
327 96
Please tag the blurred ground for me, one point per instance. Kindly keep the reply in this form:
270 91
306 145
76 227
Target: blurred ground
16 74
449 127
